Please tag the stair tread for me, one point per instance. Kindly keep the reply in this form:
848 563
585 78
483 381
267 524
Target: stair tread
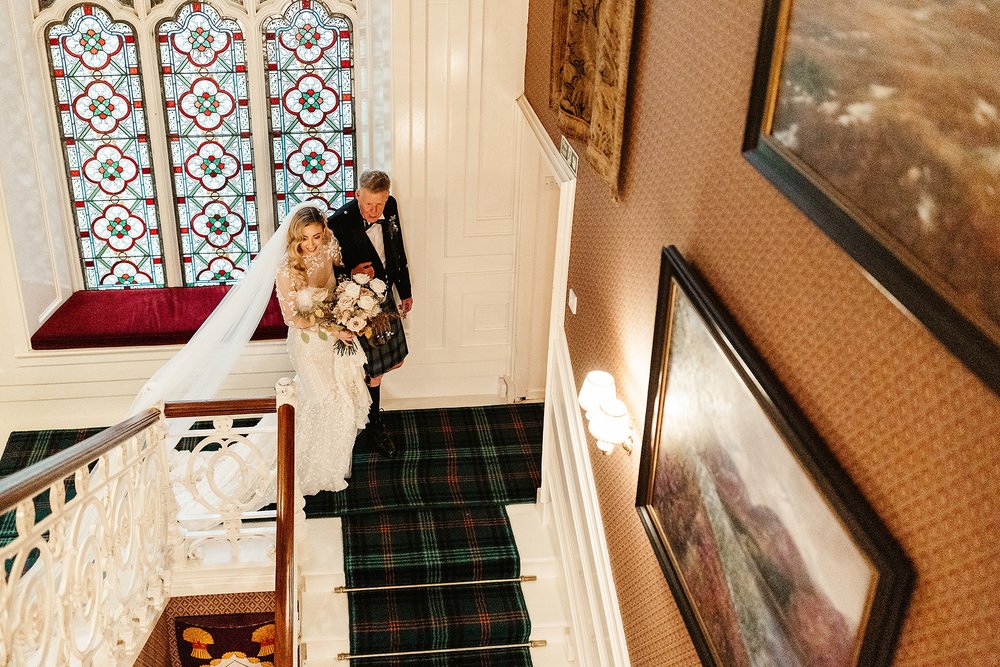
438 618
491 658
429 546
455 457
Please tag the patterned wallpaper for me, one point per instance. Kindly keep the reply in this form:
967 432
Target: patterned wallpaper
917 432
161 649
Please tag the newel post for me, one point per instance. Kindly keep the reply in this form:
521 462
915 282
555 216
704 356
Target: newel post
284 570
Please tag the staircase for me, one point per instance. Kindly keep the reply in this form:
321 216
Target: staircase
326 613
419 563
449 561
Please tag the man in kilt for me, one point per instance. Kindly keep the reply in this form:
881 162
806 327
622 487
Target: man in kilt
371 242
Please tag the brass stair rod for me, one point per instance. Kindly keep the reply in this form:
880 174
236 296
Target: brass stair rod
534 643
522 579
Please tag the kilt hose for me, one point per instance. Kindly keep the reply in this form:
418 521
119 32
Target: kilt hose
383 357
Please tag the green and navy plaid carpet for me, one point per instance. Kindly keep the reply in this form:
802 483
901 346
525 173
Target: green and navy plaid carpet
25 448
512 657
452 457
435 514
429 546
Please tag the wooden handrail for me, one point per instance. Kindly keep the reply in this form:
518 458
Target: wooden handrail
29 481
284 540
219 408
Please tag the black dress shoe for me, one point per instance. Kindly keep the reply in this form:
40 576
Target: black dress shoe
380 439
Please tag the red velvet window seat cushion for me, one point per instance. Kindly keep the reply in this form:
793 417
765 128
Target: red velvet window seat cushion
131 317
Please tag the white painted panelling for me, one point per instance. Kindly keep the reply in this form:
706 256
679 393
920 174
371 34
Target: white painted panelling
479 308
569 489
458 69
538 199
496 154
568 496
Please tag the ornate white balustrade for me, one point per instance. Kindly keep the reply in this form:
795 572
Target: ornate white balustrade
221 476
103 527
84 584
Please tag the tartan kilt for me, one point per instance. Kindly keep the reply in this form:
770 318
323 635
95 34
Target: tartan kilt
383 357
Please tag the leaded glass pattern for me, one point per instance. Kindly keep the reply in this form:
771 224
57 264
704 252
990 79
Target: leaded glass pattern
203 70
310 65
99 98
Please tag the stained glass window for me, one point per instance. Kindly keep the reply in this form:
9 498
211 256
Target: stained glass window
203 70
310 62
95 72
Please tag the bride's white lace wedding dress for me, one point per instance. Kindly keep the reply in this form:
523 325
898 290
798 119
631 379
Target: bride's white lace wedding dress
332 399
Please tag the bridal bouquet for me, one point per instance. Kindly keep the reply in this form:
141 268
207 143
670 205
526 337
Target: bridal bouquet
355 304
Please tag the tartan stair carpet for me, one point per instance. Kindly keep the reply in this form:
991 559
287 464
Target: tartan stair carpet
429 546
435 515
511 657
416 619
25 448
451 457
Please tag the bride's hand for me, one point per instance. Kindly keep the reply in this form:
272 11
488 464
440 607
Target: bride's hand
345 335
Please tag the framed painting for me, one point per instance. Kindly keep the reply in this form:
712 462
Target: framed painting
880 119
772 553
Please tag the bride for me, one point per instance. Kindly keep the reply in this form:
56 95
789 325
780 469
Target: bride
332 396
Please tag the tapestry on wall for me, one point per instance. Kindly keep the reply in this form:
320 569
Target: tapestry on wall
204 639
591 43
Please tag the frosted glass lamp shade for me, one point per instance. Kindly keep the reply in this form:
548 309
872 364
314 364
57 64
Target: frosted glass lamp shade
597 388
610 425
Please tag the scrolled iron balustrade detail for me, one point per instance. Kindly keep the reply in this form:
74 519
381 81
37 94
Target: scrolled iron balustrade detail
223 481
83 583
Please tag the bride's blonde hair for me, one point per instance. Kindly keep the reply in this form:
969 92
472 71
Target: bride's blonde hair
305 216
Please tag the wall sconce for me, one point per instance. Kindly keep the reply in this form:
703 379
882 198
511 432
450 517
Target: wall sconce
598 387
607 417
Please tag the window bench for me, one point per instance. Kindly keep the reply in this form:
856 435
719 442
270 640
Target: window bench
133 317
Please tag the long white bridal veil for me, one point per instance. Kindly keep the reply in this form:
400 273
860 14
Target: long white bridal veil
199 368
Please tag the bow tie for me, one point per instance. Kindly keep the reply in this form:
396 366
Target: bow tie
369 225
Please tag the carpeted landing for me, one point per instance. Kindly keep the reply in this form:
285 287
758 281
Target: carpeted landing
452 457
431 520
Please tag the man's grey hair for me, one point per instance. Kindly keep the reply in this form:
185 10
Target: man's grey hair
374 181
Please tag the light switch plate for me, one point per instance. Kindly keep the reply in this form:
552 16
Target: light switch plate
568 154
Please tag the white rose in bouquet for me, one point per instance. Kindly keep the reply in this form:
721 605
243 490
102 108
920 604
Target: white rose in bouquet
366 302
353 289
361 278
355 324
307 296
378 286
303 300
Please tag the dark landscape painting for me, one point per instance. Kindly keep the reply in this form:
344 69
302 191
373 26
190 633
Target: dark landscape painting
774 556
895 105
774 576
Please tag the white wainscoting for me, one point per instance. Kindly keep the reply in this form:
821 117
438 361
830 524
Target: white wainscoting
573 512
568 496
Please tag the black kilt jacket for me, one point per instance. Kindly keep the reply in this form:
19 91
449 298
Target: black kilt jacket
355 246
